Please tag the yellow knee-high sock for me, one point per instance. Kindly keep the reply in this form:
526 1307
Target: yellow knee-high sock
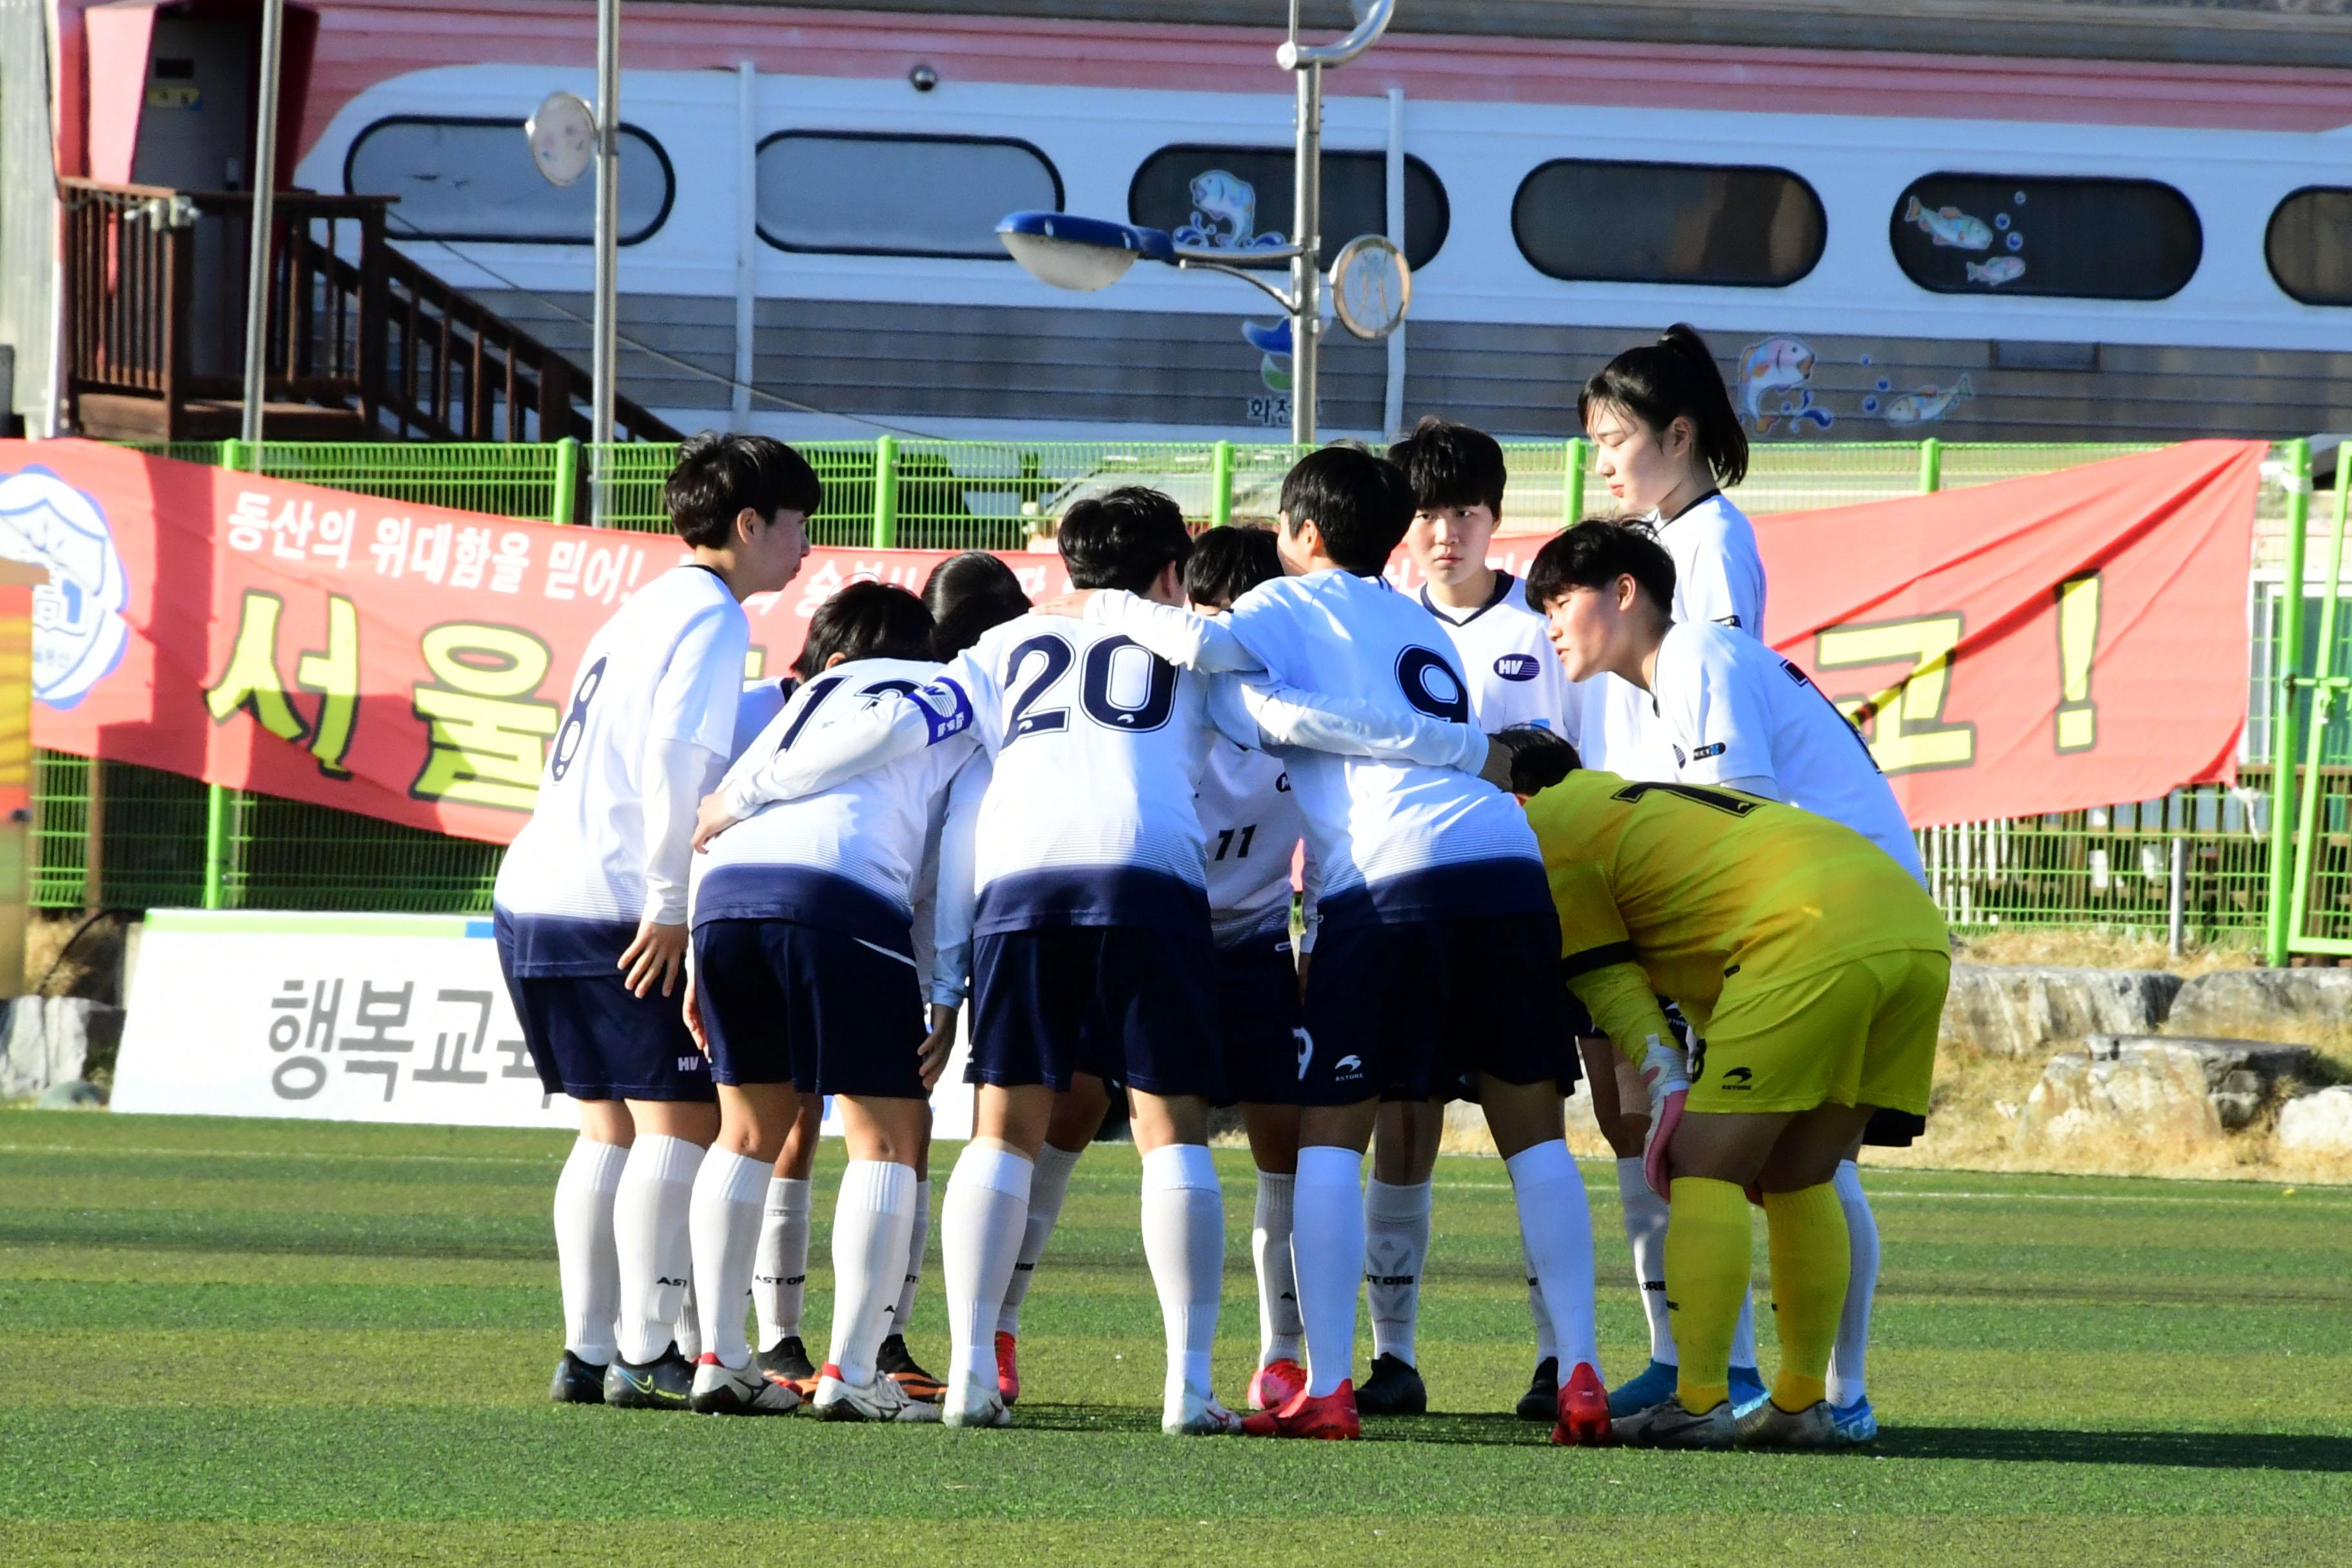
1706 1279
1810 1262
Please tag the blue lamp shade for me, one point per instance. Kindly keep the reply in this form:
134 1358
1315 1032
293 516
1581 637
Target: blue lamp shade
1085 253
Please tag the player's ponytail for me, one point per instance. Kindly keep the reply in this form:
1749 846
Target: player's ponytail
967 595
1676 378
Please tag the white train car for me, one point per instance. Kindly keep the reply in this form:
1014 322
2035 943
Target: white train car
1878 245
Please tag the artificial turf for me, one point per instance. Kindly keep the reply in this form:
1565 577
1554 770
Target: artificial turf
246 1341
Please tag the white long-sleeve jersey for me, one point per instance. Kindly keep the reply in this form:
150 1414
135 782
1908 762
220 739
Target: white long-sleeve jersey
1252 827
1737 713
1096 747
849 858
1514 676
1718 577
647 730
1395 841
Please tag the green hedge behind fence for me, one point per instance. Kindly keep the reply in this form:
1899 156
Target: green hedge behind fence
149 839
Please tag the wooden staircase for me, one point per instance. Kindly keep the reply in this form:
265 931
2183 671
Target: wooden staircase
363 345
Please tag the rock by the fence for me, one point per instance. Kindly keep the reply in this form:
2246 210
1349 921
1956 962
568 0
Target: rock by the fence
2025 1011
72 1095
2311 1005
2153 1091
2261 1062
51 1039
2317 1124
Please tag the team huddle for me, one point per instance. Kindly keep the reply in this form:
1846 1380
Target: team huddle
1233 823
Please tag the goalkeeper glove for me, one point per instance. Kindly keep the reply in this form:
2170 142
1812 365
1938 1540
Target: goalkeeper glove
1666 1073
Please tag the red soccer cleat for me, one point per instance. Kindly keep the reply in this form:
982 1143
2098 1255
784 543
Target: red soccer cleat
1333 1418
1277 1383
1583 1409
1008 1371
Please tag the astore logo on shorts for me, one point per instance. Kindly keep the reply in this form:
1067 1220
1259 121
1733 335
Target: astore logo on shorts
1348 1067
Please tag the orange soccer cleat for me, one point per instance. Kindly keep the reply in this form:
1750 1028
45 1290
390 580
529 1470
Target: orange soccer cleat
1583 1409
1276 1383
1333 1417
1008 1371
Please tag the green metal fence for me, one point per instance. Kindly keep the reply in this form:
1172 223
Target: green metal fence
145 838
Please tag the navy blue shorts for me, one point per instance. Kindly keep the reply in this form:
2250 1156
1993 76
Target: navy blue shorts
591 1040
786 1003
1131 1005
1414 1010
1259 1020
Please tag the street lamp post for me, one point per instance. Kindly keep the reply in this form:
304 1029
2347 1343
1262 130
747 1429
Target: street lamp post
1370 283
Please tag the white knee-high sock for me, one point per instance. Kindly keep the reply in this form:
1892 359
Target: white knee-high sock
780 1277
1556 1233
1047 1187
1327 1250
649 1232
1277 1284
1396 1245
1184 1244
869 1262
1645 1232
1547 1336
688 1331
981 1224
723 1222
919 1236
585 1260
1847 1372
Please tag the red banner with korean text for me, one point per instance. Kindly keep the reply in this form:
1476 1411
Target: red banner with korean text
2067 640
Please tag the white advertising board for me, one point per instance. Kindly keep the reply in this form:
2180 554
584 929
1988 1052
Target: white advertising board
347 1018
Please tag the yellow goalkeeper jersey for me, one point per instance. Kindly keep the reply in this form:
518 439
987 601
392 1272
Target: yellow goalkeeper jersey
1696 884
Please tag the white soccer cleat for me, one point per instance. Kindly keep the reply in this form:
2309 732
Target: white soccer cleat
1815 1426
1196 1414
721 1390
965 1405
880 1400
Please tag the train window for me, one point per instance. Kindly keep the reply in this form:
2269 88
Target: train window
461 178
2309 246
872 194
1585 220
2082 239
1241 199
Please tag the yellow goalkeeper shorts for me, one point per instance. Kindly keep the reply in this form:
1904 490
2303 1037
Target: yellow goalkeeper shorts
1863 1033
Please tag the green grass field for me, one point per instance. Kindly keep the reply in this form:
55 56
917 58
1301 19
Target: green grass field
226 1341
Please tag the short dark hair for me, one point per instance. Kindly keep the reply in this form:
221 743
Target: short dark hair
1593 554
967 595
1229 562
864 620
1539 759
1452 464
1675 378
1358 500
721 474
1123 539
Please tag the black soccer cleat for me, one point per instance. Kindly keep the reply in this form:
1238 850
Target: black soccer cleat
577 1382
893 1361
1395 1388
665 1382
786 1362
1541 1400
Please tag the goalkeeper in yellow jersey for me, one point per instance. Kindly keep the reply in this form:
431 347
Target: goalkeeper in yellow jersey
1815 969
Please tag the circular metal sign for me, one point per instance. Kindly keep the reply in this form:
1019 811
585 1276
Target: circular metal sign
1371 287
562 132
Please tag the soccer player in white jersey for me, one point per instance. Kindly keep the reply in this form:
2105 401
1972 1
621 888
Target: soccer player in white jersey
1666 437
1736 715
806 985
1435 954
1458 477
1253 829
1091 947
591 902
966 594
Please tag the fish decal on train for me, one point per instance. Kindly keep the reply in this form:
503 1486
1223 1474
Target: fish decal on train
1225 215
1775 384
1929 403
1950 225
2000 269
